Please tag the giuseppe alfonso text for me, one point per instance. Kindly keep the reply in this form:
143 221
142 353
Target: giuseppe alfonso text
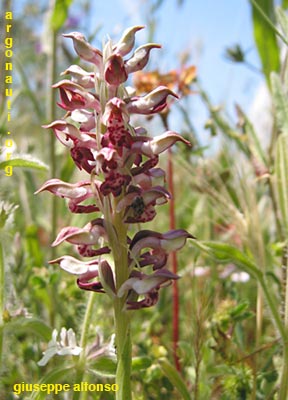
19 388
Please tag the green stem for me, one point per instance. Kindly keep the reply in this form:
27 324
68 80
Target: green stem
80 372
283 393
51 114
86 322
123 344
121 316
2 288
273 309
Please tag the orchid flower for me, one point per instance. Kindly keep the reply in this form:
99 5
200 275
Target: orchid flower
123 184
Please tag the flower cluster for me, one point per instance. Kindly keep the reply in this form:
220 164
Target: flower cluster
123 181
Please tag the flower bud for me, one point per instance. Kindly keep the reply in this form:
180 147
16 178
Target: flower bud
84 49
115 72
140 58
126 43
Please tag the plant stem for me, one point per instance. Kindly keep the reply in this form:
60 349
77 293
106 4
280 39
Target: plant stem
121 316
172 225
283 393
51 116
2 287
83 343
283 330
86 322
273 309
123 343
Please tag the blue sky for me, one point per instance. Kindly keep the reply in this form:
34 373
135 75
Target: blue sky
204 28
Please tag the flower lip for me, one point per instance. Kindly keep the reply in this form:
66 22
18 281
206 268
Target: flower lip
170 241
82 269
74 96
89 235
152 102
143 283
64 189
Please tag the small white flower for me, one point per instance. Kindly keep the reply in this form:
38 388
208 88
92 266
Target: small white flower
66 346
241 276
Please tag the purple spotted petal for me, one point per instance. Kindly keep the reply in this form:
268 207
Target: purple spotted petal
74 97
115 72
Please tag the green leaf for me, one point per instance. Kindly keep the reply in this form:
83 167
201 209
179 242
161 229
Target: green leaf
68 169
34 256
174 377
55 376
24 161
226 253
29 325
103 367
60 13
28 92
280 102
140 363
265 35
281 171
283 20
285 4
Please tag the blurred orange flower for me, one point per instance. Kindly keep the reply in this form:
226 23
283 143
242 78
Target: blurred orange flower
179 80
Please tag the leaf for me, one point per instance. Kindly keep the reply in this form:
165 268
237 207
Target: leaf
281 171
283 20
29 325
226 253
55 376
27 91
140 363
35 257
174 377
265 35
104 367
60 13
24 161
280 102
285 4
